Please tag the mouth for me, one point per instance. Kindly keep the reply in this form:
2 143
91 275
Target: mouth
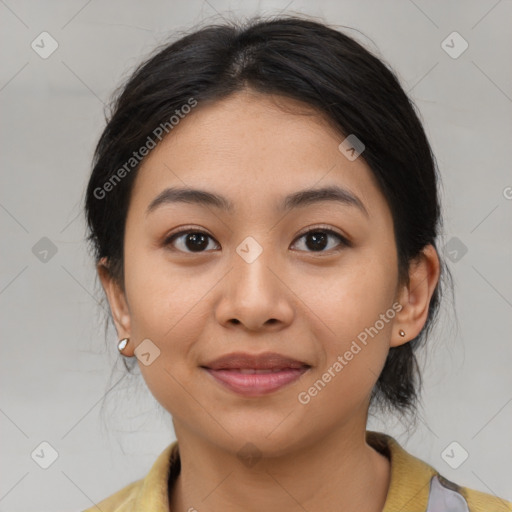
255 375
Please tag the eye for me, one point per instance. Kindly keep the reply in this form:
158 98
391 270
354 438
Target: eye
194 241
317 239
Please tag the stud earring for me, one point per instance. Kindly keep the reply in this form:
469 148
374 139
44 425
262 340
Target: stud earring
401 332
122 344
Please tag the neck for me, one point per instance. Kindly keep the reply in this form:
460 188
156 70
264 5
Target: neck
339 472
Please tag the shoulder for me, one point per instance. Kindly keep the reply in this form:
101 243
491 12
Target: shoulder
482 502
419 487
120 501
446 495
149 493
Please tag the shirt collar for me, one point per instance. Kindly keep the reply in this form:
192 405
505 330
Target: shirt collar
409 484
154 491
408 489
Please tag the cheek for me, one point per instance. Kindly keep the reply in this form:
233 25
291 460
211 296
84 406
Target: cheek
169 308
352 315
164 302
351 297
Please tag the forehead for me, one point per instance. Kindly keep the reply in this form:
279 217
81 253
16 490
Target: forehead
254 149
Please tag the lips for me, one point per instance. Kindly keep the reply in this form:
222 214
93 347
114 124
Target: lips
255 375
266 361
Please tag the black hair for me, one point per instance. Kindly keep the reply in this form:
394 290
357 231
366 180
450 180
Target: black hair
321 67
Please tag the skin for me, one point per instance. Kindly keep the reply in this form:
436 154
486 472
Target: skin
302 303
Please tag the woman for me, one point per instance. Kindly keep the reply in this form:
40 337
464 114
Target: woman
263 210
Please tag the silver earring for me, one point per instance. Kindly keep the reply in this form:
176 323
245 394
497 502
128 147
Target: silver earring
401 332
122 344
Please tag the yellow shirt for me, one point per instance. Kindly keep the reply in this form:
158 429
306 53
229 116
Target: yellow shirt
414 487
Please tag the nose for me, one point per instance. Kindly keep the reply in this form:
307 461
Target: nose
255 295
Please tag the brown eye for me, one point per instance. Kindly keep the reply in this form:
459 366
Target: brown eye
318 239
189 241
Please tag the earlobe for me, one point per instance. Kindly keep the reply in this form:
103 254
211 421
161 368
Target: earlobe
415 296
116 299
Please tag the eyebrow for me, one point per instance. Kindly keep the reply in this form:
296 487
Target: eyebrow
298 199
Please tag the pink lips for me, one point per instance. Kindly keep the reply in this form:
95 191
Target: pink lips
255 375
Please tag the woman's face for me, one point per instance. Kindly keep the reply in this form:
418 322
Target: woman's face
254 281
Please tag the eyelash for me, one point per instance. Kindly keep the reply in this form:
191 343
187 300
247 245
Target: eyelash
344 242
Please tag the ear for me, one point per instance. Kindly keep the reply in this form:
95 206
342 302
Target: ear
415 297
118 304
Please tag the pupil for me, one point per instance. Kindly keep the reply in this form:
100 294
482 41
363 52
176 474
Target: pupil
319 239
194 238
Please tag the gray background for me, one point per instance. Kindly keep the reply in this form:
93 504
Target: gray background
55 367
